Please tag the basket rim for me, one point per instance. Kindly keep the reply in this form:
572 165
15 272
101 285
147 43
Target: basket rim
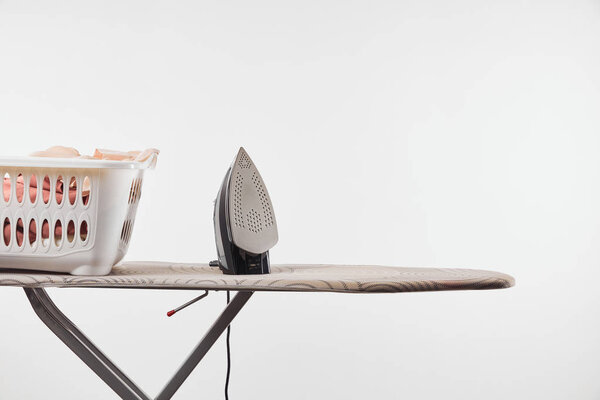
53 162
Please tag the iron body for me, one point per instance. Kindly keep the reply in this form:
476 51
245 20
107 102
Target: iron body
245 224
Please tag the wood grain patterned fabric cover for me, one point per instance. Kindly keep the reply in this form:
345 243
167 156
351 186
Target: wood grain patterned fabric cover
298 278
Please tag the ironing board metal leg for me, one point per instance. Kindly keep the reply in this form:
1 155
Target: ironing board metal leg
205 344
66 331
70 335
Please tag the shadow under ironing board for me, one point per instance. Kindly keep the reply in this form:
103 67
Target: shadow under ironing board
297 278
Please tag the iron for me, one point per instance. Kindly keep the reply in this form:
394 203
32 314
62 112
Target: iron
244 220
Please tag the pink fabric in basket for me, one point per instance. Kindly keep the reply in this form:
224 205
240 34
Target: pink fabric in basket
46 194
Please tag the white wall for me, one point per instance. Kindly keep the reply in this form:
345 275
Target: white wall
418 133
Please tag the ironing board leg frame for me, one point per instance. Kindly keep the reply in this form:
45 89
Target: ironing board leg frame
66 331
205 344
69 334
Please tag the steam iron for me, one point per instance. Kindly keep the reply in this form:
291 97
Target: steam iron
245 225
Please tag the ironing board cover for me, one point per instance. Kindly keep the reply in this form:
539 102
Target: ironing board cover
297 278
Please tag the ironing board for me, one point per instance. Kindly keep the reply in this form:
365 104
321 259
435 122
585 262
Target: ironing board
283 278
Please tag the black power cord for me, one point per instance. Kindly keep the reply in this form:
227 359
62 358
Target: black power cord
174 311
228 357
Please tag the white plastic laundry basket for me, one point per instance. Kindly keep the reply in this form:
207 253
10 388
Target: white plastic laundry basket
85 232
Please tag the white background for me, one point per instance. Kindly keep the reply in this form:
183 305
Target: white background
416 133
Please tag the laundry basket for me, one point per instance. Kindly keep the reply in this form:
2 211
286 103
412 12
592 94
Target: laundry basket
68 215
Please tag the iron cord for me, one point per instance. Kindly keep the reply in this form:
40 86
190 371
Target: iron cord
228 357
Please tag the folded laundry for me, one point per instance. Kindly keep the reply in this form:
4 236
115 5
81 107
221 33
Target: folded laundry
99 154
57 151
140 156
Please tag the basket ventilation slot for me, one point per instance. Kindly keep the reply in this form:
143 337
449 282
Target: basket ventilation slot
21 232
126 232
135 191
